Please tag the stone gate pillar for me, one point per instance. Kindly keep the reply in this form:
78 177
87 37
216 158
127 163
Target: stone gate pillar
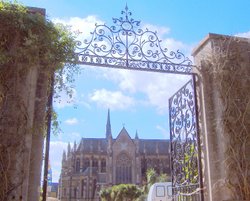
23 90
223 66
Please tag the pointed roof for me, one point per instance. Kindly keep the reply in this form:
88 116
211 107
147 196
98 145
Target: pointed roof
75 146
123 134
108 126
136 135
123 141
69 149
64 156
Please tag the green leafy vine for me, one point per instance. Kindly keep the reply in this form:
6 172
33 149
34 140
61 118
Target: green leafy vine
28 40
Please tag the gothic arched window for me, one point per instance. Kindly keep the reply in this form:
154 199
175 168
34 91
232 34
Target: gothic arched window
78 165
123 169
86 164
95 163
103 165
143 167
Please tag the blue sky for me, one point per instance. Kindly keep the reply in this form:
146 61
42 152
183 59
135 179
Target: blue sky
137 100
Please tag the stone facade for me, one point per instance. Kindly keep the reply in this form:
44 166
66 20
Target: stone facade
102 162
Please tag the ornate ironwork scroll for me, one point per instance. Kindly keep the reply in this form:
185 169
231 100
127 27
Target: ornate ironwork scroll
126 45
184 137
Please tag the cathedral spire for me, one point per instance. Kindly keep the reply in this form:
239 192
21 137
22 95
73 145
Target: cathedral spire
64 156
75 146
108 126
136 135
69 150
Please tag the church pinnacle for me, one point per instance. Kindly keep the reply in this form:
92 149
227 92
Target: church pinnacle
108 126
136 135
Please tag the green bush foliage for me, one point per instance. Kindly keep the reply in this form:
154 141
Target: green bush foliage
31 38
28 39
121 192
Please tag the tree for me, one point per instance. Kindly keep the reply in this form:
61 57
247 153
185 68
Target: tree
105 194
121 192
153 177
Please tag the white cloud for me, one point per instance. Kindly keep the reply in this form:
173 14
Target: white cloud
115 100
88 24
173 45
167 42
82 101
157 87
81 25
161 30
163 131
71 121
245 34
64 100
55 157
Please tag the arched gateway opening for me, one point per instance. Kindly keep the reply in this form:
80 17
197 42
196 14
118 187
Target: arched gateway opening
124 45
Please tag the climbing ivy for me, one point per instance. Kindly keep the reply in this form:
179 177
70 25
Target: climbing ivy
29 42
29 39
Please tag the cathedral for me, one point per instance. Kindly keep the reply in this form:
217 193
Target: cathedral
102 162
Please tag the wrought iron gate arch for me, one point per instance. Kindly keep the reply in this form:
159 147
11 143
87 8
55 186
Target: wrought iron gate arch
125 45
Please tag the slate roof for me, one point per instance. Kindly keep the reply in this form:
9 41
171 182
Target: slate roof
99 146
93 145
152 146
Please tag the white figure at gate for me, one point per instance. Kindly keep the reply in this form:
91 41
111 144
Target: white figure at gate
160 192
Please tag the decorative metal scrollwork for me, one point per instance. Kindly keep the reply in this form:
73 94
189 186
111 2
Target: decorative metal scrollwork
126 45
183 134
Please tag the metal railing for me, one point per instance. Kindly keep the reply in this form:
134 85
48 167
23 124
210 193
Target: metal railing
186 193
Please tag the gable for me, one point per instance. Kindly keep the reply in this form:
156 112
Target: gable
123 141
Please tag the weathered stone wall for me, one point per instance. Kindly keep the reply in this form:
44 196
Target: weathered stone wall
23 91
224 91
22 123
17 114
